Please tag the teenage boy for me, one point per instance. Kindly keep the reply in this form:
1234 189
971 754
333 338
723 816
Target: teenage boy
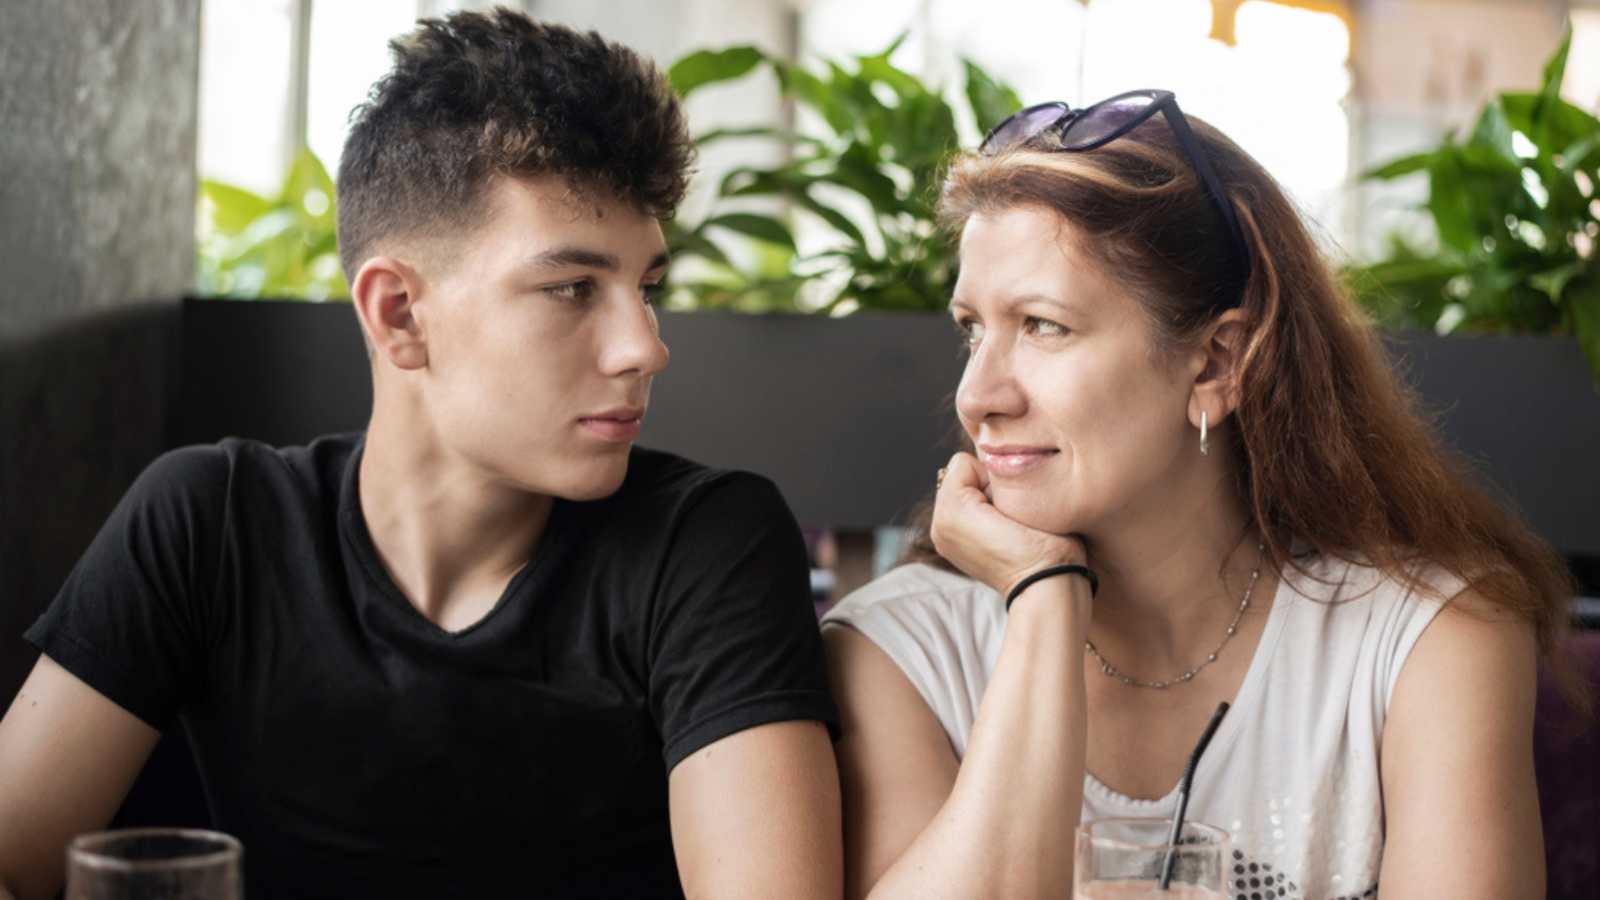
486 648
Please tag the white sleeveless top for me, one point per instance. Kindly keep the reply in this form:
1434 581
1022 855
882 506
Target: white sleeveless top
1291 774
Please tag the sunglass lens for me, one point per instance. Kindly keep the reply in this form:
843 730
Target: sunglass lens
1023 125
1100 122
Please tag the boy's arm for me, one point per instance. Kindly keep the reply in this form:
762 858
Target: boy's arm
740 693
756 814
68 756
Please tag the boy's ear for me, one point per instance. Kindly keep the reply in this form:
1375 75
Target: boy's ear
385 292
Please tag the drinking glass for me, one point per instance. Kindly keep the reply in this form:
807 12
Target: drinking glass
1119 859
154 864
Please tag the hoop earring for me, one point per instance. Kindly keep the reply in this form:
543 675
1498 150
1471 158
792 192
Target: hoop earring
1205 442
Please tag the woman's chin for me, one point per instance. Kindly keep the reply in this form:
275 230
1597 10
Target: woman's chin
1035 510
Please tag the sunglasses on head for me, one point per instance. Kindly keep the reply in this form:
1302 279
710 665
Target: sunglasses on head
1058 127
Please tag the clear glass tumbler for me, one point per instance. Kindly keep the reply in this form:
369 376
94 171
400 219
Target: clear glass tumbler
154 864
1119 859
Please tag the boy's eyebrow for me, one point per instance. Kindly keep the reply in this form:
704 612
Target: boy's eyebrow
562 257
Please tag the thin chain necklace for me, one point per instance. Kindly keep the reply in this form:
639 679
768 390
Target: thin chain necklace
1233 627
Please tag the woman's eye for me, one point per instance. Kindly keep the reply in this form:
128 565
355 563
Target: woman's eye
1044 327
577 291
652 293
971 332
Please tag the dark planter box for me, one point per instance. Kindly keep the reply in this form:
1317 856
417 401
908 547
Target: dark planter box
851 417
1525 411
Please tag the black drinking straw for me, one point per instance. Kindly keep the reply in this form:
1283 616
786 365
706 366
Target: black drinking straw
1183 796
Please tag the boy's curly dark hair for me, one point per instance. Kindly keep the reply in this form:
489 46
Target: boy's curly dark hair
476 95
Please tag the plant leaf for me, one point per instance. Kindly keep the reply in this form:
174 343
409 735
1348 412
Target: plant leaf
879 69
1394 168
703 67
1554 281
759 131
764 228
924 134
308 190
1546 130
1493 132
1567 123
858 171
232 208
991 100
816 94
686 242
1555 69
840 222
1576 155
1450 204
264 232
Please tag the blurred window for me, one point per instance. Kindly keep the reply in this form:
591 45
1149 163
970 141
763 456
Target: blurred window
275 74
245 50
1582 84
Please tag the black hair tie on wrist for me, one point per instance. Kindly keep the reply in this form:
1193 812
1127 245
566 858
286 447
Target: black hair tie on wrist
1051 572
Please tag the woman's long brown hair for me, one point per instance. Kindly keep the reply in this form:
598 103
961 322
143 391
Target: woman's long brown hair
1330 451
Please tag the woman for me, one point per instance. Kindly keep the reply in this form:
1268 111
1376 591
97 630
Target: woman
1169 394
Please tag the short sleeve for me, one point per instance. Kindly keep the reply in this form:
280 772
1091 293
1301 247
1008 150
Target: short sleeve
1400 615
126 620
733 641
942 630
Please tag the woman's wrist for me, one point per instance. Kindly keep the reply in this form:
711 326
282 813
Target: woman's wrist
1076 571
1054 598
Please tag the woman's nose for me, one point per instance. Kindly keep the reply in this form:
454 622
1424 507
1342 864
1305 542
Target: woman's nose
988 387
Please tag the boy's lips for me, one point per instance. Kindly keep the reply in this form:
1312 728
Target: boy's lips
619 424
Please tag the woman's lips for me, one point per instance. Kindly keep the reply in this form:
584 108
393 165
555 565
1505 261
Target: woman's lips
1010 460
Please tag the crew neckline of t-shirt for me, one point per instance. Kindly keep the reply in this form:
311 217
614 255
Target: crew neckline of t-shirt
353 525
1246 698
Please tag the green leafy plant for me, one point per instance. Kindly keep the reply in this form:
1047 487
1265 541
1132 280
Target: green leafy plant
1515 210
283 247
868 185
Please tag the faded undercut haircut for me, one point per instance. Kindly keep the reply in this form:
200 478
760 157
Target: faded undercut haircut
474 96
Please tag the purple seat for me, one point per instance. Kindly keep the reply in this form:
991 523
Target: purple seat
1566 752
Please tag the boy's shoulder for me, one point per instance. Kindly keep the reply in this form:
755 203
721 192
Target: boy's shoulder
672 484
210 473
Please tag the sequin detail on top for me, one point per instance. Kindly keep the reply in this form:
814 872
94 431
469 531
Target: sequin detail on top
1252 880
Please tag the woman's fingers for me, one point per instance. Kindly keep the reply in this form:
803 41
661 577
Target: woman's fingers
969 531
963 470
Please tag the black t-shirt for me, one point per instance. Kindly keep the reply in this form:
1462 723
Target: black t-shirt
359 750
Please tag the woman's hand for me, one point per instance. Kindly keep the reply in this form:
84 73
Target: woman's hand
984 542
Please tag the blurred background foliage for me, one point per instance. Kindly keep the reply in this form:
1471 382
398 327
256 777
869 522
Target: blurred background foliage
1515 223
858 190
864 187
845 221
283 247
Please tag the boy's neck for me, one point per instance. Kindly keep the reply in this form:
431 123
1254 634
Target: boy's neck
450 535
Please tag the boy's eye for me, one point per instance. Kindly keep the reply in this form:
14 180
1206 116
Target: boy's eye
578 291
